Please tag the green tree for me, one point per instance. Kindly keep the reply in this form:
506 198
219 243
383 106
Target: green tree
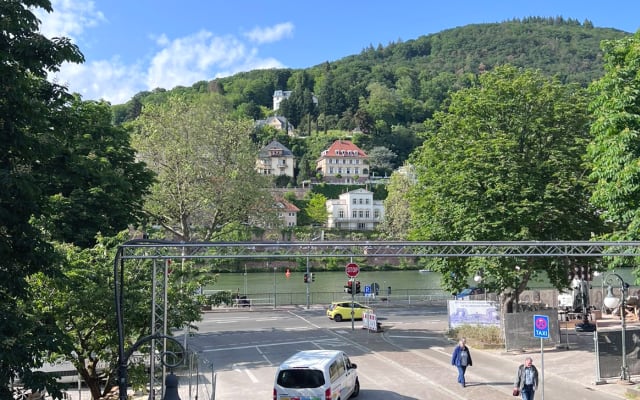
103 185
397 211
317 208
614 151
31 108
383 103
204 161
381 160
299 104
504 163
80 305
330 99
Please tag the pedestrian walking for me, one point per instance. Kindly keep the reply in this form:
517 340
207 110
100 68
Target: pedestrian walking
526 382
461 358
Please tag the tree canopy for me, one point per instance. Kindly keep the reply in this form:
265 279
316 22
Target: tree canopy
614 152
503 162
79 306
204 161
100 186
31 111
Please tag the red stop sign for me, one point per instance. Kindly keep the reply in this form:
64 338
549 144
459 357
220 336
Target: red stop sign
352 270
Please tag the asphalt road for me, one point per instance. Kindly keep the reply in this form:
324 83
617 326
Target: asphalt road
410 359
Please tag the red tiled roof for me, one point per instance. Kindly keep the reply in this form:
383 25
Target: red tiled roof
287 206
336 149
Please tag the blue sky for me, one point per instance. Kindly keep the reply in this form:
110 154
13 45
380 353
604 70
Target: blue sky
135 45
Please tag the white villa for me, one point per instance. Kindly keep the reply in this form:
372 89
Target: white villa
355 210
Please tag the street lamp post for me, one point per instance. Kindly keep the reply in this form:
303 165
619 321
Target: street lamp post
308 269
516 289
275 287
307 283
612 302
478 279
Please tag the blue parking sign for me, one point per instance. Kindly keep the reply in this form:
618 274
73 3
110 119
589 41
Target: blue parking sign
541 326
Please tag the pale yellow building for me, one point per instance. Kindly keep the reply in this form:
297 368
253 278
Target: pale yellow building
343 162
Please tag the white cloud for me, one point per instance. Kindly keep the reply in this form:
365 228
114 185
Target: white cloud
201 56
185 60
270 34
105 79
179 62
69 18
176 62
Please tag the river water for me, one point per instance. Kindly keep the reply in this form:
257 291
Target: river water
329 285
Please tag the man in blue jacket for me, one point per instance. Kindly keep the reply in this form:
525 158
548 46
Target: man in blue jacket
461 358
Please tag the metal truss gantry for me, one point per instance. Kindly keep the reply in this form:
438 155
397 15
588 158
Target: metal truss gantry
144 249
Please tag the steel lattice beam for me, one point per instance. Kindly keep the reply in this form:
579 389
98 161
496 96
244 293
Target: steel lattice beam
140 249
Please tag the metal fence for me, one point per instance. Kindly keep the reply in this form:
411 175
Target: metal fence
401 296
197 378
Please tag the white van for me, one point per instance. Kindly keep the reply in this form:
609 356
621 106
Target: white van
317 375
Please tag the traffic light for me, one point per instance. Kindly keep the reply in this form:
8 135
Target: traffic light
313 277
348 288
357 287
306 278
581 273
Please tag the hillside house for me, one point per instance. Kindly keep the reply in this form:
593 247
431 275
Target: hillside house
277 122
287 212
355 210
280 95
343 162
275 159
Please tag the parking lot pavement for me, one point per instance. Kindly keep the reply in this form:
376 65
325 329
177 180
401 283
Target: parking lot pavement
568 373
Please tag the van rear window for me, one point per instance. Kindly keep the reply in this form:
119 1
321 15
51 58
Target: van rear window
300 378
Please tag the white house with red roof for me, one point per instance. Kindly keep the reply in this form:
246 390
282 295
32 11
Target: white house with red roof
287 212
343 162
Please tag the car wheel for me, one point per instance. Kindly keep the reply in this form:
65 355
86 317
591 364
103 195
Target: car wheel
356 389
337 317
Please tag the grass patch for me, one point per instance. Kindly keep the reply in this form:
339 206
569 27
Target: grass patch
478 336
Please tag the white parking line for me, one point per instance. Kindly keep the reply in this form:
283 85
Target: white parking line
415 337
267 345
249 374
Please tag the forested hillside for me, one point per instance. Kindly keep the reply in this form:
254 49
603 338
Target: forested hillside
387 92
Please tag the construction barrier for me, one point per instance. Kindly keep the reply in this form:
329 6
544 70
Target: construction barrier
369 322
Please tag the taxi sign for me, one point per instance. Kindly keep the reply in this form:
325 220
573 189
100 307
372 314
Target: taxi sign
541 326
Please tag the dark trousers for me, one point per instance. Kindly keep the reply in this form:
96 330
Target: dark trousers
528 392
461 371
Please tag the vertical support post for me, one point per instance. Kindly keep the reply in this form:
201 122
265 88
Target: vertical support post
245 280
542 365
611 302
275 287
596 346
353 299
152 359
624 373
118 283
165 304
308 281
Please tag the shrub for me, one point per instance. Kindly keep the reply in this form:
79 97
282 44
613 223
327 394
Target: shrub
219 298
479 336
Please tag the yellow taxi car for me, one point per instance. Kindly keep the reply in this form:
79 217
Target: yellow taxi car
340 310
